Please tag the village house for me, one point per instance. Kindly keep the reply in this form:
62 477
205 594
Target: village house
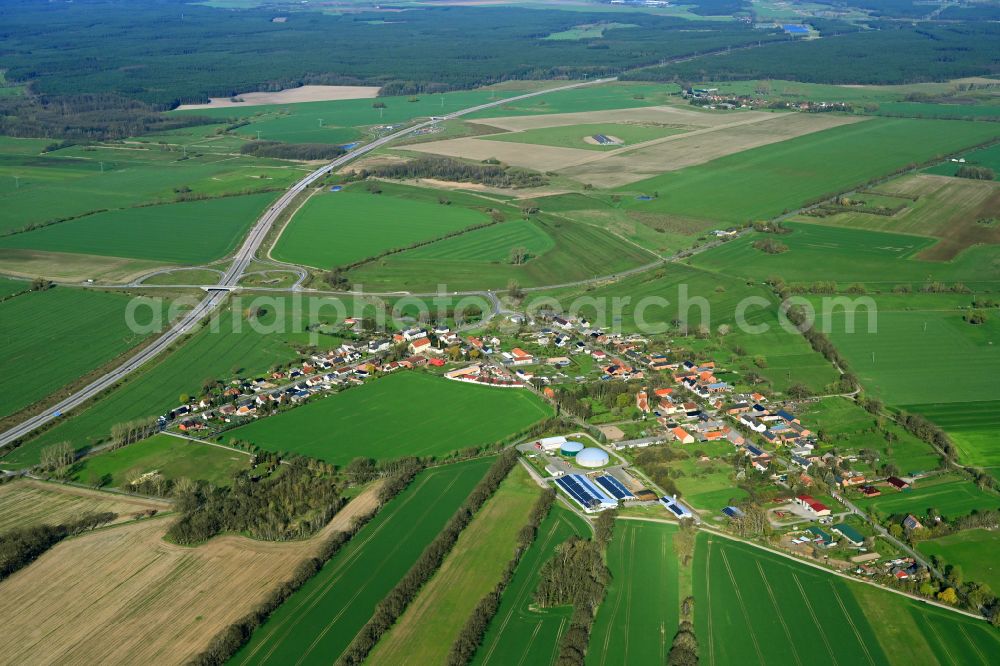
812 506
682 435
419 346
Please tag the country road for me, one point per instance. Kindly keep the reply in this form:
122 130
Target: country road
241 260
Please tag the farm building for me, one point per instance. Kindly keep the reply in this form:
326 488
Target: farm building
811 505
897 483
733 512
585 493
614 487
592 457
820 536
849 533
676 508
550 443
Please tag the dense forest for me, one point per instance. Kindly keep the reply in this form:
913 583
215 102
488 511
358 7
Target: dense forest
445 168
292 504
172 51
891 53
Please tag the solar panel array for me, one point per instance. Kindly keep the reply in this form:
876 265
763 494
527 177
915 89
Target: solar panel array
674 508
614 487
582 490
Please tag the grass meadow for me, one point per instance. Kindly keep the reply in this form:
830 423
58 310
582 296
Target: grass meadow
755 606
763 182
573 136
173 457
154 390
405 414
950 494
973 550
54 337
426 630
520 631
193 232
638 617
319 621
848 427
338 228
619 95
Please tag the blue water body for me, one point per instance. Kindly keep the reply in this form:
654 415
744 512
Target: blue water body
643 197
795 29
349 146
336 188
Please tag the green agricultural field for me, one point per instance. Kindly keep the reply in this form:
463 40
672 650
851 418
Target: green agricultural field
753 606
986 157
338 228
236 348
842 423
10 287
928 110
574 136
185 233
405 414
342 121
173 457
817 253
914 633
763 182
972 426
638 617
910 357
973 550
622 95
70 182
492 245
581 251
950 494
55 337
521 631
319 621
426 630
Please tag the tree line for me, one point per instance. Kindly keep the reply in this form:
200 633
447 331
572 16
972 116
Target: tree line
396 601
228 642
446 168
471 635
292 151
21 546
577 575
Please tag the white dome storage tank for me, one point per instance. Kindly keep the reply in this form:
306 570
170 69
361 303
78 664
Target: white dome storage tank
592 457
570 449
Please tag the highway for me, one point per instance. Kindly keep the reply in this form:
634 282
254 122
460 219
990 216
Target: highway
241 260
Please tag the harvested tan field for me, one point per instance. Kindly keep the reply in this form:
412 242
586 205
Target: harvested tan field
946 208
125 596
28 502
289 96
644 160
666 115
531 156
70 267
